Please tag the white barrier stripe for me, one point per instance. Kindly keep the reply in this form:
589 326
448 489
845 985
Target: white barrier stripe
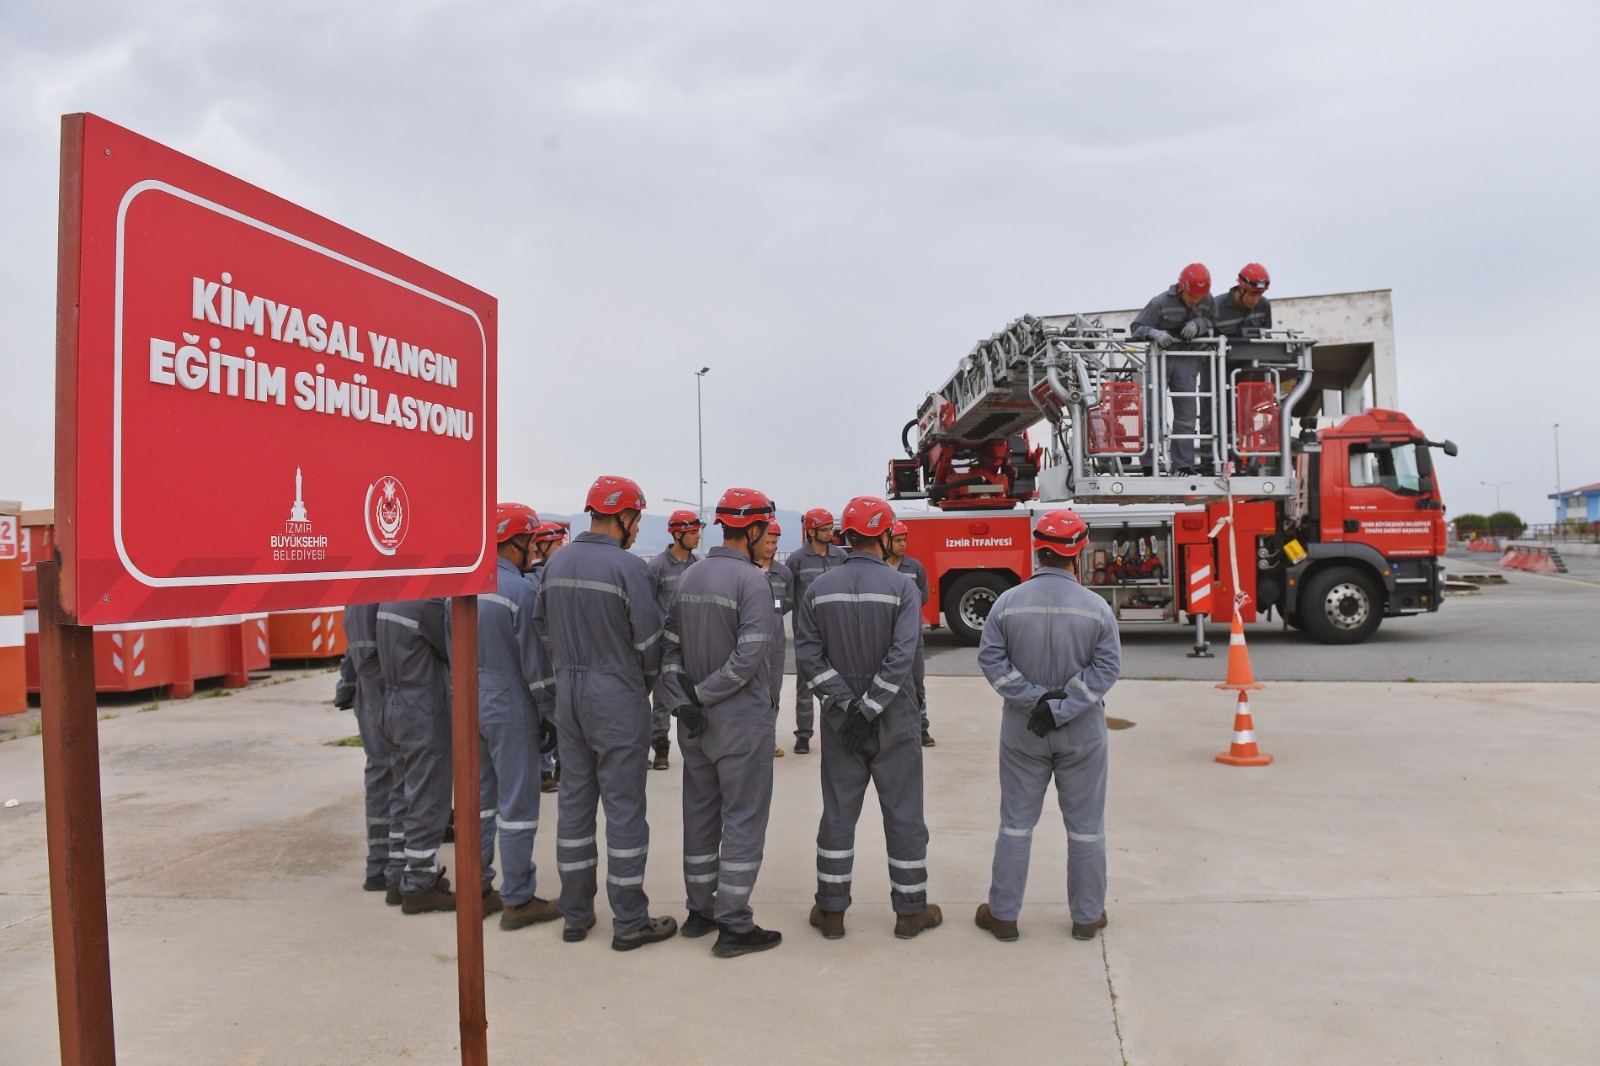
30 621
1236 638
1246 737
1201 573
12 631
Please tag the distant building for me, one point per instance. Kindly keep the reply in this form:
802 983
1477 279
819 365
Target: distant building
1580 504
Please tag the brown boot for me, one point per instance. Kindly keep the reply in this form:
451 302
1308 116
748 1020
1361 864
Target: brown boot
907 926
1087 930
533 912
831 923
547 783
660 762
1002 930
437 898
392 896
492 903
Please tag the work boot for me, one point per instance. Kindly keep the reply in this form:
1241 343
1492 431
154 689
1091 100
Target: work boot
830 923
698 924
660 761
927 739
450 828
1002 930
1087 930
653 931
392 898
572 934
375 883
731 945
547 783
907 926
802 745
492 903
437 898
533 912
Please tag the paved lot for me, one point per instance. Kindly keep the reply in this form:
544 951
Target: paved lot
1414 879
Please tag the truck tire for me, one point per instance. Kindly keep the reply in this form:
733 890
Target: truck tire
1341 605
968 601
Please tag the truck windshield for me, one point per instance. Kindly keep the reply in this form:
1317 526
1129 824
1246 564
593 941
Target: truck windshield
1385 465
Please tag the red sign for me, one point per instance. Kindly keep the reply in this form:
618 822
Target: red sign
257 409
9 547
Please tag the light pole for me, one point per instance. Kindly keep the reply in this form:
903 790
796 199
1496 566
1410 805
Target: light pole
700 437
1497 486
1559 510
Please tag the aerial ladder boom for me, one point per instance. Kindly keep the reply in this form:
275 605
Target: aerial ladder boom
1104 398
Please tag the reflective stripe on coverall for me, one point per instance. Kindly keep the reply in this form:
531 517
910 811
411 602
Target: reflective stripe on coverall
666 570
718 640
1051 634
510 669
414 655
805 566
597 616
856 638
385 797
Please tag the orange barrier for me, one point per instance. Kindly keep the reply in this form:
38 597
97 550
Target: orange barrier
1243 750
308 634
1535 560
1239 678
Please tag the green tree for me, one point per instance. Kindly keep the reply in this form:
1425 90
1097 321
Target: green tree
1470 523
1507 524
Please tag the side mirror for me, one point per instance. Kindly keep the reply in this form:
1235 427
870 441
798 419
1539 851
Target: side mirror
1451 449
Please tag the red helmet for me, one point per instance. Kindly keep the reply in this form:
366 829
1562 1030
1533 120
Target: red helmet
513 520
816 518
867 516
1062 532
1254 277
774 528
613 495
549 531
742 508
681 521
901 529
1195 280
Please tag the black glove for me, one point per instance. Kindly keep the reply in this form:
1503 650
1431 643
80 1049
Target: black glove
856 729
547 736
693 719
1043 719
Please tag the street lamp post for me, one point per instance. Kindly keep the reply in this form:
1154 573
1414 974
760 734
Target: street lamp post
700 437
1497 485
1557 430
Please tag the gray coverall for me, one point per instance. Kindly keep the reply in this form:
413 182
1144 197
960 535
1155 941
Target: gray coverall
513 692
547 689
806 565
718 642
598 619
414 654
666 570
1231 320
385 798
919 576
856 638
1184 372
781 581
1051 634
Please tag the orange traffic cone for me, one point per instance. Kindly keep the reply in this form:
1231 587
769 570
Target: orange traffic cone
1239 678
1243 752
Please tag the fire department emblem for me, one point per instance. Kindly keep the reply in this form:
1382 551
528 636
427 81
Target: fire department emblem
388 514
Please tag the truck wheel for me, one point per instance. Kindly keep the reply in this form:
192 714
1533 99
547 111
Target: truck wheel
968 602
1341 605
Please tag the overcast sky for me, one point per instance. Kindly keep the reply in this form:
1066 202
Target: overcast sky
829 203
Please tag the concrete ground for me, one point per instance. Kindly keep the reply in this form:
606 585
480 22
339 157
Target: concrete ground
1413 880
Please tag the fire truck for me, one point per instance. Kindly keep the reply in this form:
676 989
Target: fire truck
1331 524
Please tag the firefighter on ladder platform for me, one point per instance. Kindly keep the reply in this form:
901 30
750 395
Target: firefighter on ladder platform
1182 313
1051 650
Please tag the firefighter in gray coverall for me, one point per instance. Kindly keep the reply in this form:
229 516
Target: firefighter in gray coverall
1050 648
782 584
513 694
547 540
856 641
598 619
715 668
817 555
414 655
919 577
666 570
386 856
1181 313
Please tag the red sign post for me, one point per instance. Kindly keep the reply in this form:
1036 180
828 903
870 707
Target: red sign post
257 410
